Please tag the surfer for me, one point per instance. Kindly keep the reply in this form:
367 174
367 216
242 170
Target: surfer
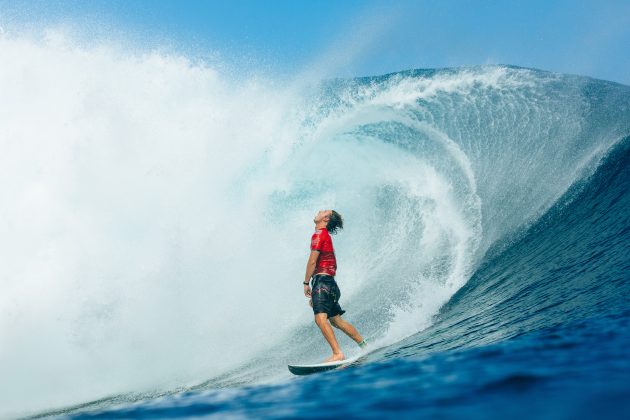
320 272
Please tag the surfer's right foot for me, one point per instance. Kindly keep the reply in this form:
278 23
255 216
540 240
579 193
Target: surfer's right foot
335 358
363 344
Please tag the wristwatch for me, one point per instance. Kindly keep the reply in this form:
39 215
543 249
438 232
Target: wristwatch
305 283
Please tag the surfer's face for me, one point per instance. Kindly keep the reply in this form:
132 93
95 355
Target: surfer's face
322 215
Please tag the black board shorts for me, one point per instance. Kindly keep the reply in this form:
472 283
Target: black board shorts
325 295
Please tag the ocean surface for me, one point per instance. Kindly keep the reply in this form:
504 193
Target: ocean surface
160 218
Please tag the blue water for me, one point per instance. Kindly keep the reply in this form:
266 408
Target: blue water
540 329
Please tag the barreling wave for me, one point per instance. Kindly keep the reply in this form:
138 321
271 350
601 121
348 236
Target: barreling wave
157 220
543 324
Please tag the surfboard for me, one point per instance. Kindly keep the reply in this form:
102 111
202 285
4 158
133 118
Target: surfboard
322 367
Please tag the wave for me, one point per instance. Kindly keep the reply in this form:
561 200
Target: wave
570 266
542 324
158 212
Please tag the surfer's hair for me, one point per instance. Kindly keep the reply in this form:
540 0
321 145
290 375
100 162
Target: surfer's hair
334 223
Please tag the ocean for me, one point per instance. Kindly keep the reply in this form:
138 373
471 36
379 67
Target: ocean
156 222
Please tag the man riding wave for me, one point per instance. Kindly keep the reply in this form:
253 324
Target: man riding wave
320 273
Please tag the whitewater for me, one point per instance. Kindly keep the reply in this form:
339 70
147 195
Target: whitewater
156 211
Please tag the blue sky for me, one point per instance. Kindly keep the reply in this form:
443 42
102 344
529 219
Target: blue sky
358 37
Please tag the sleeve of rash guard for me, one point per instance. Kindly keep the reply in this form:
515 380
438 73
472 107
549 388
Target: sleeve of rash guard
316 242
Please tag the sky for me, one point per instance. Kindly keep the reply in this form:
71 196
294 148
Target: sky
354 38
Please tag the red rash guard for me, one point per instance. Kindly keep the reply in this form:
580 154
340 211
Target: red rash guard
326 262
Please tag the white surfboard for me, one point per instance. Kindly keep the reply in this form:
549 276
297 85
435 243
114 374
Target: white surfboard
322 367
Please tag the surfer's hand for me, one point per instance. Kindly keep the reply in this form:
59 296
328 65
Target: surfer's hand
307 290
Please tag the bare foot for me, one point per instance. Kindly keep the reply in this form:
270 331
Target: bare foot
335 357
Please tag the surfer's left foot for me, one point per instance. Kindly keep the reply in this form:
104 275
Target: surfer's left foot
335 358
363 344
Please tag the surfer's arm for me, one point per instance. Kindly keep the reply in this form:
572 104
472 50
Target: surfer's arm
310 268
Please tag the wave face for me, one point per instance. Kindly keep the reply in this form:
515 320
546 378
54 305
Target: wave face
156 215
542 325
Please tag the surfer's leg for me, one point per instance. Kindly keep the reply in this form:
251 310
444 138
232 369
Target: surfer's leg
346 327
321 320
